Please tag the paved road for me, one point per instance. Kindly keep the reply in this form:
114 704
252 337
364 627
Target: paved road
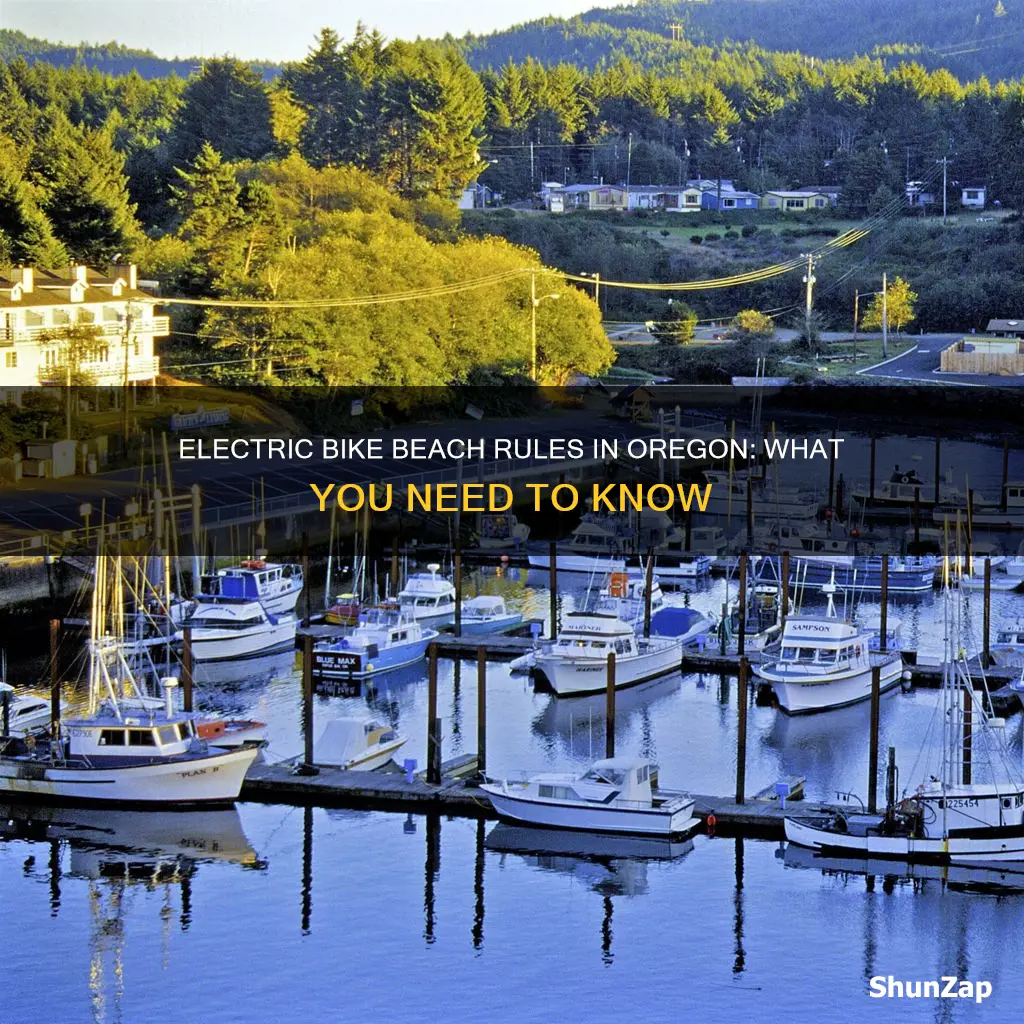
922 364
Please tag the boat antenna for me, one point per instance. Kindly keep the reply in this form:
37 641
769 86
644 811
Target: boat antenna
829 590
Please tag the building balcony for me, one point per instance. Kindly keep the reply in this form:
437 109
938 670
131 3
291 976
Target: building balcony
157 326
106 373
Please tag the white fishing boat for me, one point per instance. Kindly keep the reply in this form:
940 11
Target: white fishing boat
704 541
762 621
904 489
825 662
615 795
275 585
428 598
1008 648
502 532
230 628
949 818
600 543
386 638
356 743
676 568
487 614
27 712
576 663
1005 514
629 590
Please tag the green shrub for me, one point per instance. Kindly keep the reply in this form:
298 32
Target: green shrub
664 232
731 235
712 236
749 230
696 239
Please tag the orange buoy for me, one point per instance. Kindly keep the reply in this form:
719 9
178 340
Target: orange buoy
711 822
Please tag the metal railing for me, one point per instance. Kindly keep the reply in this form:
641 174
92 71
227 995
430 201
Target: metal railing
155 325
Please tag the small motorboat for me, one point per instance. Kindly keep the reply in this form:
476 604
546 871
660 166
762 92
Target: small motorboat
502 531
230 628
356 743
231 732
26 712
386 638
275 585
344 611
616 795
1008 648
487 615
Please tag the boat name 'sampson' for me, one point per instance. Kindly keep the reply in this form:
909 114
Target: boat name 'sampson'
809 627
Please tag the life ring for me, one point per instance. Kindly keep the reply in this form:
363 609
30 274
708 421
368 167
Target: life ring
711 821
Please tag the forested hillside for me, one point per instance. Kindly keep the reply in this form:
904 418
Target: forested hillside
969 37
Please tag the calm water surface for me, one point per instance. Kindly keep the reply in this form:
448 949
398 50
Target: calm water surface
274 914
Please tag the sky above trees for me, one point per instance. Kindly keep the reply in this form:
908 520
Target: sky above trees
259 29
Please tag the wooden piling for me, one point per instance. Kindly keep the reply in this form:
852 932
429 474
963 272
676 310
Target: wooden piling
308 756
1006 473
722 631
876 696
5 713
938 466
742 631
433 722
689 527
784 607
883 642
481 708
553 586
307 589
741 733
871 471
458 592
832 476
750 514
648 584
394 566
186 668
609 704
986 628
917 516
969 539
54 679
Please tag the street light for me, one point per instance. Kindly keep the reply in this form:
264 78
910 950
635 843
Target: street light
534 303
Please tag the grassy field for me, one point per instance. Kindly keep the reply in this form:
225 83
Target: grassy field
836 359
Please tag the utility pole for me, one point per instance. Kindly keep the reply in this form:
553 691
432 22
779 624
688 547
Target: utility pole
629 165
533 177
856 311
124 398
885 319
945 170
533 326
809 280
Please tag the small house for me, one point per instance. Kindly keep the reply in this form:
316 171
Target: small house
918 195
972 197
729 199
1006 328
795 201
667 198
586 197
634 403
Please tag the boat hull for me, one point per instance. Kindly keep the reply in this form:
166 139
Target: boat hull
212 780
331 664
496 625
222 646
566 562
607 819
808 697
998 844
861 575
569 677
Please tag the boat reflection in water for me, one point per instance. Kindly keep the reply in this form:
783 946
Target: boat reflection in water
243 674
610 865
958 878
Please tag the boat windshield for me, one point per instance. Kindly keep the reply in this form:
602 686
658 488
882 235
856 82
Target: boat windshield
607 775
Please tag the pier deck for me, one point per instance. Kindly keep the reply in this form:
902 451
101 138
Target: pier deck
391 791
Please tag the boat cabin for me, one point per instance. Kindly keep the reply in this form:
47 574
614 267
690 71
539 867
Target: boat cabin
822 645
225 613
484 608
596 634
427 592
107 735
618 778
255 580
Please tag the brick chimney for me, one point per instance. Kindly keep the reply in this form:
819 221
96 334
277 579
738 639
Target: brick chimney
128 271
25 277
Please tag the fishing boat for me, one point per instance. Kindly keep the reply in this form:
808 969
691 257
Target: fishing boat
761 622
343 611
862 573
676 568
949 818
386 638
600 543
231 732
229 628
1006 514
904 490
487 615
356 743
576 662
26 712
682 623
704 541
614 795
428 598
1008 648
825 662
629 590
502 532
275 585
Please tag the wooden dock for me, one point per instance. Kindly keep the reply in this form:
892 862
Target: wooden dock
460 795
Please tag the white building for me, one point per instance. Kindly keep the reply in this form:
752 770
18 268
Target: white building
38 307
972 197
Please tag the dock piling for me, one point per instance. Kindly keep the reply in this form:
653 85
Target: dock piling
458 591
689 527
553 586
917 516
186 668
1006 474
883 623
876 693
481 709
750 514
938 466
5 711
968 737
433 722
832 503
741 632
307 590
54 679
784 604
609 697
723 629
308 756
741 732
986 629
648 583
871 470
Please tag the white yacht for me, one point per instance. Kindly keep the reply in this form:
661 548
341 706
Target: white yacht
905 489
614 795
825 662
502 532
704 541
1008 648
487 614
600 543
1005 514
428 598
949 818
356 743
386 638
275 585
577 662
27 712
229 628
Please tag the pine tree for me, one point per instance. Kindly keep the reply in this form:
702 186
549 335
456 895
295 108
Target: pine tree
25 233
